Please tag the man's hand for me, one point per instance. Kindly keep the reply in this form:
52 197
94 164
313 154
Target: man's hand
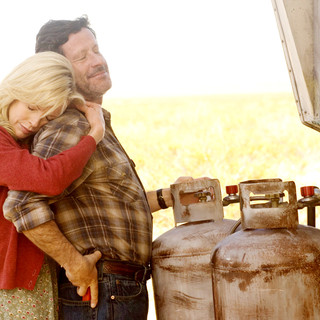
84 275
80 270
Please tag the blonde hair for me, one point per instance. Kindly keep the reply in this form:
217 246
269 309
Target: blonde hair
44 80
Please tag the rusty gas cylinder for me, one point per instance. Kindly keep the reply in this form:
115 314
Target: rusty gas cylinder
181 271
270 269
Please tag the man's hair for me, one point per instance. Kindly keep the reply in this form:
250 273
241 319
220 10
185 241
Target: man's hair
44 80
55 33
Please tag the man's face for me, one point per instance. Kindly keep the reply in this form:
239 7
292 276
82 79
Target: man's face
90 67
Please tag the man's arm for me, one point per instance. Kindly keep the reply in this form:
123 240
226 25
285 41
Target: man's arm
80 270
32 215
153 200
167 197
166 194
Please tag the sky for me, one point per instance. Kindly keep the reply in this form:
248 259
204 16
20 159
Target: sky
164 47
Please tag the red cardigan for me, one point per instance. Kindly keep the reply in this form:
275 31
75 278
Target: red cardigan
20 259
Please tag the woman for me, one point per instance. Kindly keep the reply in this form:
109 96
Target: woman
35 92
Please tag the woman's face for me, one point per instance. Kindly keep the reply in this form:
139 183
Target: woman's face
26 120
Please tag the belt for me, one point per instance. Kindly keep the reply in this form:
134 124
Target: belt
137 272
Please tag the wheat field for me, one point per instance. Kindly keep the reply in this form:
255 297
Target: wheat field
231 138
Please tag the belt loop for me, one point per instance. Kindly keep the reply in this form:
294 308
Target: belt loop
100 269
146 275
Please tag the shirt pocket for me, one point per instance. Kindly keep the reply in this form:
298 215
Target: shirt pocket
119 181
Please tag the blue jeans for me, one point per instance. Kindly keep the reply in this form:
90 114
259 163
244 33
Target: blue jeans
120 298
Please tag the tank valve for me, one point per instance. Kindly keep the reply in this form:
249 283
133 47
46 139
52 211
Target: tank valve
232 196
310 199
202 196
275 199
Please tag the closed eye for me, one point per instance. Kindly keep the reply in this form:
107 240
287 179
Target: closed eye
49 118
80 59
31 108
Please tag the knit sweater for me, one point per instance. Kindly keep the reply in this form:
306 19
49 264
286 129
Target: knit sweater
20 259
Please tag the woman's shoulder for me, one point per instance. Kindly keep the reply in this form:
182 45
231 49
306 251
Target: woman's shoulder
4 132
7 141
5 135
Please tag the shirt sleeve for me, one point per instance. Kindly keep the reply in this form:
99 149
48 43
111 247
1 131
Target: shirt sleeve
28 210
21 170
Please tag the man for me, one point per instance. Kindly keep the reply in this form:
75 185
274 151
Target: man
104 215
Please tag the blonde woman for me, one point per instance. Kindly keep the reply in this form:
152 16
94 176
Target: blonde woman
35 92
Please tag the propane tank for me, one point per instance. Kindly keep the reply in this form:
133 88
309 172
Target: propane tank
181 273
270 269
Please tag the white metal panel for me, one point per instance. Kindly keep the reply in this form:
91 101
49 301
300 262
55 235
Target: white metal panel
298 24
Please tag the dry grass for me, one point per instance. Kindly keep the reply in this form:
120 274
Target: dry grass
231 138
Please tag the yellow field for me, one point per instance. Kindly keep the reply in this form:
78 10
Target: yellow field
231 138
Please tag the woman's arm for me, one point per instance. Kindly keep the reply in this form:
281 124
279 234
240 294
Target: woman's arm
20 170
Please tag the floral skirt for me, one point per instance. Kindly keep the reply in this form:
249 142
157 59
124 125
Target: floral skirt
40 303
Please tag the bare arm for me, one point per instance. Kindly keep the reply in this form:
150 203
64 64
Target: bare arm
153 202
80 270
166 193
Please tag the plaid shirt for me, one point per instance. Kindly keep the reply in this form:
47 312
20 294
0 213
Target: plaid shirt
105 209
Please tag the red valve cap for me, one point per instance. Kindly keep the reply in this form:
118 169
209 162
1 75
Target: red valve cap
307 191
232 189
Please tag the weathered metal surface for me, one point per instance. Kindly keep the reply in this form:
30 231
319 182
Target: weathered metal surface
196 211
181 272
274 214
267 274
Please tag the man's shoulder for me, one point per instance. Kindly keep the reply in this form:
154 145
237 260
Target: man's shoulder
63 132
71 116
69 120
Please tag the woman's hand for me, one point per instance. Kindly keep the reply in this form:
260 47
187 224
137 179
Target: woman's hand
94 115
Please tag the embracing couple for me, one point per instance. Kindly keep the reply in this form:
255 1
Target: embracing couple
76 226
